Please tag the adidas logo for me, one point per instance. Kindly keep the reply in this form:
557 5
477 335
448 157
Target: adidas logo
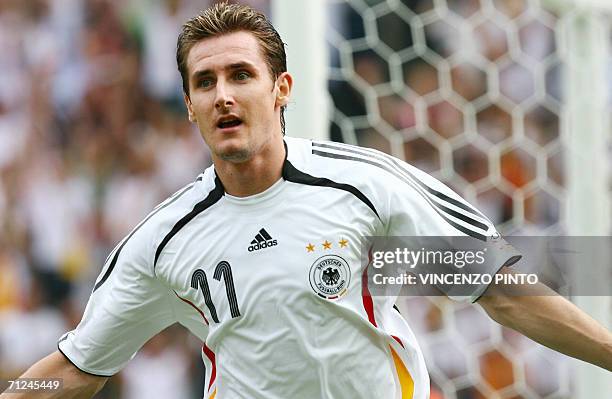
262 240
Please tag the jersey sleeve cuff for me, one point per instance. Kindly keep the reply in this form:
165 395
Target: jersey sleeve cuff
509 262
86 370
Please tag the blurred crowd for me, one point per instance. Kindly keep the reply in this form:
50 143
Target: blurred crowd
93 135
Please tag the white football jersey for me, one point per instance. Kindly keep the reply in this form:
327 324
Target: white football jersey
272 283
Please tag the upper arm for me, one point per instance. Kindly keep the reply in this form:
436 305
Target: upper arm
124 312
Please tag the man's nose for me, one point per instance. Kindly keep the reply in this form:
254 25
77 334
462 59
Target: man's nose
224 98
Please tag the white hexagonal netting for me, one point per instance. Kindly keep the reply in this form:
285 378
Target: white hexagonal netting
472 92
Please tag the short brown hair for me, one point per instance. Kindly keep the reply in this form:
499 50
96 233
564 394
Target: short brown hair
223 18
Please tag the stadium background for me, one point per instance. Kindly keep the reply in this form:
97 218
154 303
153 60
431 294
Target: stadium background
93 134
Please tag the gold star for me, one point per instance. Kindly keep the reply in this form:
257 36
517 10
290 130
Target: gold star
310 247
343 243
327 245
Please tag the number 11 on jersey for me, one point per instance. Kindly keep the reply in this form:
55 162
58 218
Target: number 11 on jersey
199 281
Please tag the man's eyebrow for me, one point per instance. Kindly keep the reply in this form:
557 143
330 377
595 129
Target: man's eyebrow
237 65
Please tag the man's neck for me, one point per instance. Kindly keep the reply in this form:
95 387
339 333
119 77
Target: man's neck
255 175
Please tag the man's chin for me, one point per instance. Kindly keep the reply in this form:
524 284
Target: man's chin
234 154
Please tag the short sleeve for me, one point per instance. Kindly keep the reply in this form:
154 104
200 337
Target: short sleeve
127 307
421 206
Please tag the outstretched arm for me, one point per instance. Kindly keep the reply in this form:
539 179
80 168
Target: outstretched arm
75 385
540 314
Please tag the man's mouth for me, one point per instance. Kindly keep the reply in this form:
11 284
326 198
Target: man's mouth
229 123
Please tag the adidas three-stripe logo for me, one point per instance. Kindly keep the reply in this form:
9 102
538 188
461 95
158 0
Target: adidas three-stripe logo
262 240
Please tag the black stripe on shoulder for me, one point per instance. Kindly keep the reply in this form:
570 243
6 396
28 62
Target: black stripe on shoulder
382 156
164 204
172 199
212 198
77 367
291 174
399 176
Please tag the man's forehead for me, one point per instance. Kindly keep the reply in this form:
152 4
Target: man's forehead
225 50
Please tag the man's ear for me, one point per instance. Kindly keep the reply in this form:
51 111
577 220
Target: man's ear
284 84
190 113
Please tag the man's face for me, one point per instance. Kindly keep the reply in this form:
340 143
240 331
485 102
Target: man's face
232 96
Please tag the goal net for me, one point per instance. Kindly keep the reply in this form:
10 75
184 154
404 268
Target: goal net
473 92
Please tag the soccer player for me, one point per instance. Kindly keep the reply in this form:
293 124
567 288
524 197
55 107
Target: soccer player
259 257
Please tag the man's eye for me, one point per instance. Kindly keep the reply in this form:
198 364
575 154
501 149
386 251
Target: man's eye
205 83
242 76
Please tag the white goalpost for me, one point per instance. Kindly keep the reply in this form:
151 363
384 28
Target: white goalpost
586 37
301 24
